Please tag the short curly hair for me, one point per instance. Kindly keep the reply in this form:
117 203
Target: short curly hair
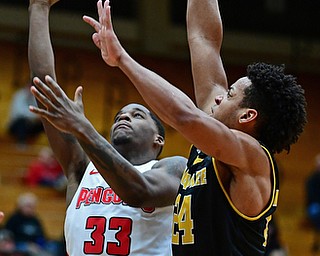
280 103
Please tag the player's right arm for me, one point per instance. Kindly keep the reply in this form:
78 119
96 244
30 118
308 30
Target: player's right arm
205 34
156 187
41 61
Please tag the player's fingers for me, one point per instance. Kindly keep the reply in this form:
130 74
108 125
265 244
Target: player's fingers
43 113
103 15
106 16
78 96
109 21
55 87
99 7
92 22
39 111
106 4
96 40
41 97
44 89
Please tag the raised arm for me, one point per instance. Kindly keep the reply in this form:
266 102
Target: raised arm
154 188
179 112
41 61
205 35
40 52
239 157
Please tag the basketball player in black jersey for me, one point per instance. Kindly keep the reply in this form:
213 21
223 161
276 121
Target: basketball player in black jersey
230 189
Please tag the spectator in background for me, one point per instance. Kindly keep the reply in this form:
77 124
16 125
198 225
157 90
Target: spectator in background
45 171
23 124
313 201
7 244
26 226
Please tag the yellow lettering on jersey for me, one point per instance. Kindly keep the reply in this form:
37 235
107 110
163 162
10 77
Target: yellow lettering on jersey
183 221
197 160
185 179
175 235
197 179
201 177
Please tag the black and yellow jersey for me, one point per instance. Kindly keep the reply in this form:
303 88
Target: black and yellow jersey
205 221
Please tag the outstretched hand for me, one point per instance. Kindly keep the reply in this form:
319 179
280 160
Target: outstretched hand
63 113
104 37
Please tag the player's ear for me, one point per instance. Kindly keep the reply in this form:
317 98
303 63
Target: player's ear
248 115
159 140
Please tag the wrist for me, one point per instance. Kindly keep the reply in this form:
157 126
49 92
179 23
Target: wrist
81 129
42 3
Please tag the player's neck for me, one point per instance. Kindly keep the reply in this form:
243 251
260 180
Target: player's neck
137 157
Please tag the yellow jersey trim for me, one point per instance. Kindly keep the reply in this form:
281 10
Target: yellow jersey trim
275 192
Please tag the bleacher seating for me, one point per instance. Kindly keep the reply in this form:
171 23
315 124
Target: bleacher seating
13 164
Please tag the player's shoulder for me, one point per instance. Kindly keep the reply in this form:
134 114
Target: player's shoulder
173 165
175 160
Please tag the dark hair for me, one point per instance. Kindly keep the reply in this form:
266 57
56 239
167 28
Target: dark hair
160 127
280 103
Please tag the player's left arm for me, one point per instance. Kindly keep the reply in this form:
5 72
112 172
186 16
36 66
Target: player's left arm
42 62
164 179
205 34
155 188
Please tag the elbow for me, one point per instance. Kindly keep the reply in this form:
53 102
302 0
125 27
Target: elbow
136 199
139 196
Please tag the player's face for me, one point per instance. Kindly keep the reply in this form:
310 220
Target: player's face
227 109
133 125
